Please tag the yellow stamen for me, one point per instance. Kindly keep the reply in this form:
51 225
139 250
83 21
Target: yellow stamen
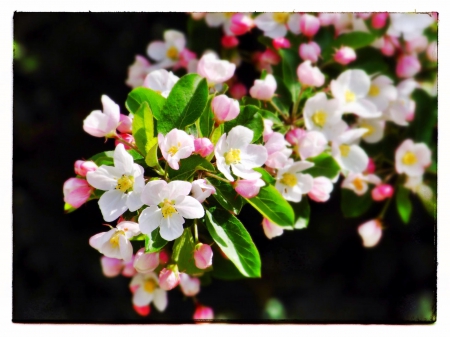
319 118
233 156
228 15
370 129
281 18
125 183
358 183
114 241
374 90
168 209
349 96
172 53
345 149
150 285
289 179
174 149
409 158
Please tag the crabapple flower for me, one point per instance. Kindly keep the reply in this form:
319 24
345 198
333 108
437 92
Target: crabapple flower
111 267
401 110
238 90
137 72
277 152
267 132
224 108
203 256
309 51
123 184
103 124
83 167
382 92
271 230
280 43
416 45
229 41
407 66
350 156
126 137
274 25
167 52
412 158
169 205
190 286
327 19
145 262
345 55
309 75
214 70
241 23
203 313
374 127
203 147
234 151
295 136
161 81
169 277
408 25
264 89
76 191
312 144
125 124
291 183
379 20
382 191
370 232
321 189
176 145
147 290
248 188
388 45
128 268
309 25
370 166
358 182
202 190
116 242
220 19
142 311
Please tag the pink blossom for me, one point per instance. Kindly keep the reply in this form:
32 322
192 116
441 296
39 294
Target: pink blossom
416 45
224 108
363 16
229 41
103 123
203 147
277 152
76 191
203 312
186 56
241 24
126 137
201 189
111 267
248 188
270 57
407 66
370 232
382 191
295 136
169 278
125 124
379 20
215 70
267 132
163 257
370 167
327 19
143 311
238 90
145 262
309 25
271 230
190 286
83 167
309 51
264 89
309 75
281 42
321 189
389 46
345 55
203 256
128 268
137 71
312 144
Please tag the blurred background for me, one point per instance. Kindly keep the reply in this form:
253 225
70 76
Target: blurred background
63 63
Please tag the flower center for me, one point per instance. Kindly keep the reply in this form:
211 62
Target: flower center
114 241
281 18
174 149
150 285
233 156
358 183
289 179
374 90
125 183
172 53
168 209
370 129
319 118
409 158
350 96
345 149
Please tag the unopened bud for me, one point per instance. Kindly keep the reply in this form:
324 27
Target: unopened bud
190 286
203 256
345 55
83 167
203 312
381 192
248 188
309 25
203 147
281 42
264 89
145 262
125 124
370 232
407 66
379 20
224 108
169 277
229 41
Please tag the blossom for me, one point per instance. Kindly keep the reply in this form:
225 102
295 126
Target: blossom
147 290
277 152
370 232
379 20
407 66
412 158
238 90
349 155
382 92
202 190
291 183
203 146
402 109
111 267
267 132
76 191
214 70
126 137
145 262
321 189
374 127
295 135
264 89
416 45
203 255
123 184
169 277
309 75
169 205
103 124
241 23
229 41
137 72
309 51
125 125
248 188
271 230
203 312
382 191
408 25
358 182
224 108
220 19
274 25
235 151
345 55
190 286
176 145
115 243
161 81
312 144
280 43
167 52
309 25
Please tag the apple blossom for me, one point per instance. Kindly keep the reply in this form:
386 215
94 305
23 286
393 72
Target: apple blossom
169 277
388 46
345 55
408 25
358 182
203 147
267 132
412 158
201 189
416 45
234 151
374 127
327 19
111 267
241 23
186 58
349 155
163 257
128 268
161 81
229 41
280 43
291 183
248 188
203 255
176 145
309 75
167 52
123 184
382 191
142 311
309 51
103 124
309 25
274 25
147 290
190 286
203 313
271 230
214 70
312 144
137 72
224 108
295 136
220 19
76 191
402 109
125 124
238 90
321 189
382 92
379 20
126 137
264 89
277 152
407 66
145 262
370 232
82 167
169 205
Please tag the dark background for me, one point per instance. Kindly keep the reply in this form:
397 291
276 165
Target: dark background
64 63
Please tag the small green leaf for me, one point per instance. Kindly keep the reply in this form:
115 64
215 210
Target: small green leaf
217 133
425 117
69 208
183 253
265 175
250 118
353 205
324 166
234 240
266 114
140 237
154 242
103 158
206 120
404 206
151 159
271 204
289 63
302 212
224 269
354 40
140 95
226 195
246 100
185 103
188 167
283 98
143 128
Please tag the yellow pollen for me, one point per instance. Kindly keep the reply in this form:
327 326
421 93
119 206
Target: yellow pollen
319 118
228 15
168 209
370 129
349 96
114 241
125 183
345 149
374 90
289 179
409 158
358 183
172 53
150 285
233 156
173 150
281 18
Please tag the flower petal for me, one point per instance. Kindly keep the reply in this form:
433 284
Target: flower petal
160 299
123 161
150 193
190 208
243 172
171 227
253 156
150 219
239 137
176 188
157 50
126 249
113 204
104 178
141 297
134 201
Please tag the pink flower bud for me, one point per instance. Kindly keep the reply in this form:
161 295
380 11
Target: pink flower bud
381 192
379 20
125 124
126 137
345 55
295 136
203 147
203 256
248 188
215 70
201 189
270 57
186 56
416 45
370 167
224 108
321 190
229 41
163 257
312 144
281 42
270 229
388 48
309 75
143 311
370 232
267 132
83 167
169 278
327 19
111 267
202 312
241 24
145 262
407 66
128 269
309 51
190 286
76 191
432 51
238 90
264 89
309 25
138 71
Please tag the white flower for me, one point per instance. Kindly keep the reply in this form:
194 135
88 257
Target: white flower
277 151
220 19
202 190
147 290
375 129
169 205
176 145
161 81
103 124
402 109
358 182
370 232
351 89
123 182
412 158
216 71
235 151
350 156
382 92
167 52
312 144
190 286
271 230
115 243
291 183
409 25
275 25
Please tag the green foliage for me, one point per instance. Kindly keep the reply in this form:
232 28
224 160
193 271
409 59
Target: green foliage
250 118
154 242
103 158
234 240
425 117
324 166
302 213
283 98
353 205
188 167
226 195
206 120
289 63
224 269
268 179
183 253
143 128
202 37
247 100
404 206
140 95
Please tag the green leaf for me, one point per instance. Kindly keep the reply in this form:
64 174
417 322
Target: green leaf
354 40
140 95
266 114
289 63
151 159
324 166
224 269
226 195
425 117
143 128
283 98
250 118
185 103
154 242
302 212
183 253
140 237
217 133
188 167
103 158
427 196
353 205
246 100
234 240
69 208
271 204
206 120
265 175
404 206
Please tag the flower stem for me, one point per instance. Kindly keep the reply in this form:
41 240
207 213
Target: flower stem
217 177
279 112
134 147
295 107
195 231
